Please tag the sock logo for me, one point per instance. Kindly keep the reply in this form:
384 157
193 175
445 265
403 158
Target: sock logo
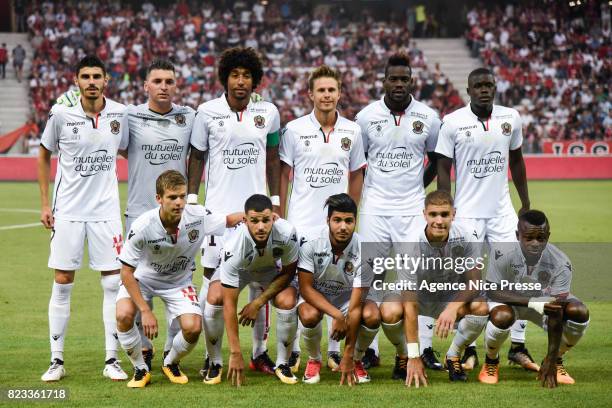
213 341
55 337
429 326
523 325
115 336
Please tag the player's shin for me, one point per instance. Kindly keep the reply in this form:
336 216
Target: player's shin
494 338
426 326
572 333
59 315
468 330
173 329
110 285
517 331
180 348
333 346
312 341
262 326
286 328
395 334
130 342
365 335
213 328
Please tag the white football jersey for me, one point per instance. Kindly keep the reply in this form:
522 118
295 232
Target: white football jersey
86 186
156 143
165 261
553 270
481 152
396 146
334 276
243 263
236 141
321 165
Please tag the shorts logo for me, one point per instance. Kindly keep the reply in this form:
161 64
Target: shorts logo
345 143
118 243
277 252
193 235
190 293
115 127
180 120
260 122
349 268
506 129
131 234
417 127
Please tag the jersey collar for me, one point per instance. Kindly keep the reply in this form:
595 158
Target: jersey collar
317 125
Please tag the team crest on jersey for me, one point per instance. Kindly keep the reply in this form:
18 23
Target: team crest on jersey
193 235
349 268
506 129
277 252
417 127
180 120
544 278
260 122
457 251
345 143
115 127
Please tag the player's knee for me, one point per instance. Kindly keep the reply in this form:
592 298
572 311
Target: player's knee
192 330
391 312
125 318
502 316
370 315
64 277
215 294
576 312
284 301
479 308
309 316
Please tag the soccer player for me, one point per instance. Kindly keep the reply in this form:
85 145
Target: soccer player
325 153
333 282
85 205
399 132
440 241
260 252
484 140
533 261
238 139
158 260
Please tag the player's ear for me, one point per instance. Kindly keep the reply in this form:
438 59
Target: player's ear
146 85
158 199
310 95
76 81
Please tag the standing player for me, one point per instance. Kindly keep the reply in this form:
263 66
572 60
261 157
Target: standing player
484 140
158 261
534 261
398 133
334 283
238 139
85 205
261 253
325 152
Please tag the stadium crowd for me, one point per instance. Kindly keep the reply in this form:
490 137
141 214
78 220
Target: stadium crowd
292 38
553 63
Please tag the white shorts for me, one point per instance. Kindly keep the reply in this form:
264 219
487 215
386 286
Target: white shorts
212 247
260 285
178 301
499 229
104 242
128 223
388 229
343 306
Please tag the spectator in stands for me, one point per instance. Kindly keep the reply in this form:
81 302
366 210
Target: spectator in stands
3 59
19 56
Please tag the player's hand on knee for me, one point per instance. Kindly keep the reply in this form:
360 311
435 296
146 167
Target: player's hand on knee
347 368
149 324
339 329
445 323
248 314
415 373
235 372
46 217
548 373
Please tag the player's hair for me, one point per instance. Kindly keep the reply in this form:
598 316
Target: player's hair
258 203
479 71
169 180
439 197
240 57
534 217
323 72
90 61
399 59
162 64
342 203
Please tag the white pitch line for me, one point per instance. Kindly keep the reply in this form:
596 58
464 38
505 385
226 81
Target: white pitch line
22 210
19 226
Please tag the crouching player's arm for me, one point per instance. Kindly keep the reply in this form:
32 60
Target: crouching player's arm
235 372
149 322
415 371
353 321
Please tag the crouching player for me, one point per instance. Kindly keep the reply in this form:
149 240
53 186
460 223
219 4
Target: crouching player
262 253
333 282
533 263
158 260
450 261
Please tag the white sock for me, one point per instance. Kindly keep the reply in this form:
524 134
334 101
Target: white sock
145 341
395 334
202 298
494 338
286 328
365 335
213 330
173 329
110 285
426 329
312 341
468 329
296 343
59 315
180 348
333 346
130 342
261 329
374 344
517 331
572 333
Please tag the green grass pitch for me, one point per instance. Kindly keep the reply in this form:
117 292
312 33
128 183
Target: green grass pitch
579 211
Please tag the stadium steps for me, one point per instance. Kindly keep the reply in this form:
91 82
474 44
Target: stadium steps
454 58
14 98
